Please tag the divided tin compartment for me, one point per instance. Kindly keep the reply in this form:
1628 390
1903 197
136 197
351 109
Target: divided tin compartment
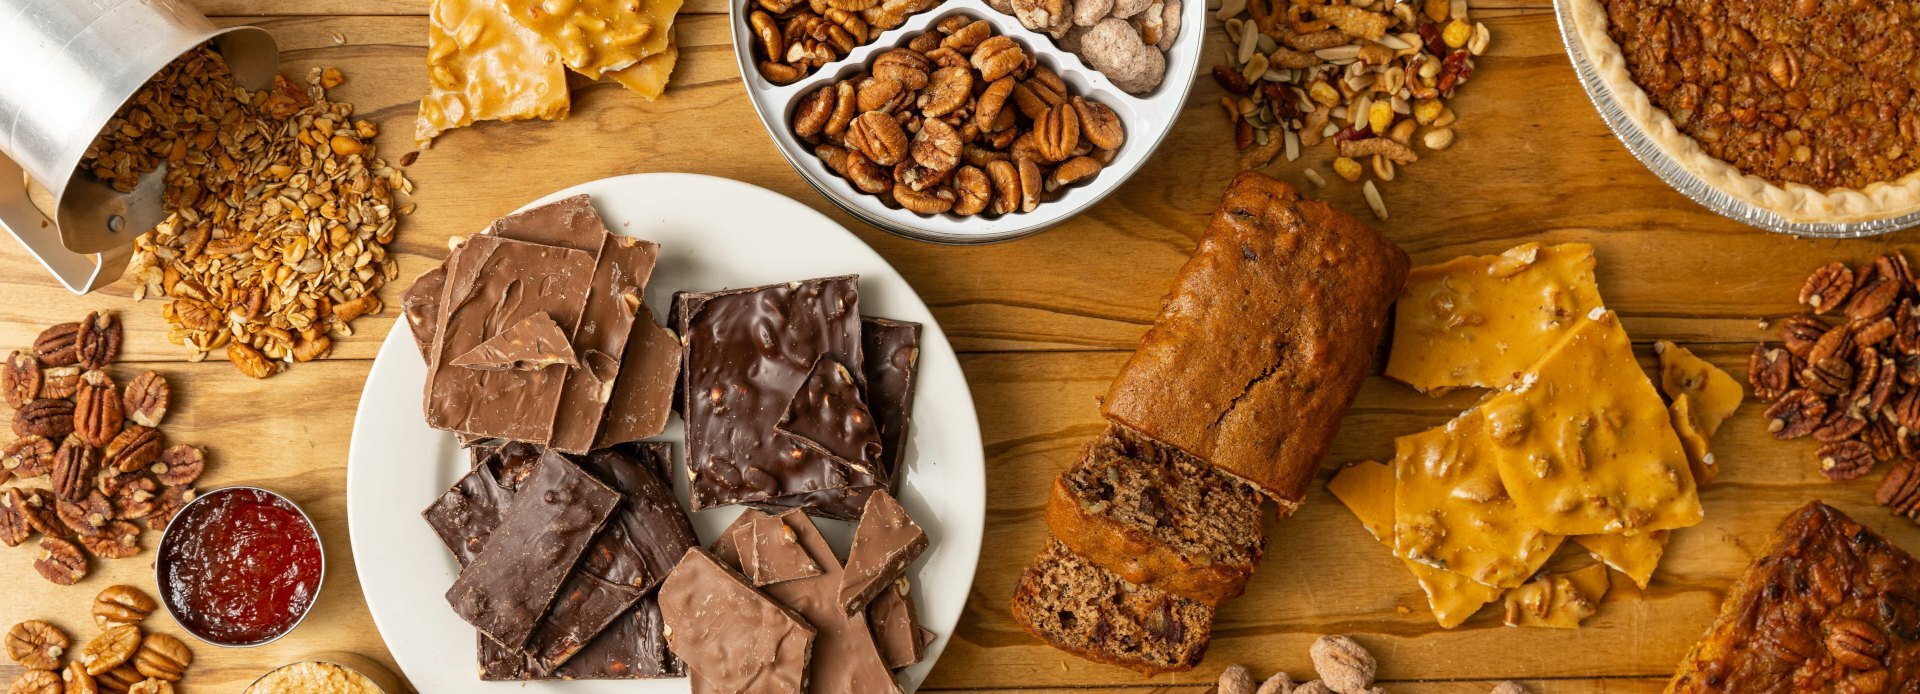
1147 118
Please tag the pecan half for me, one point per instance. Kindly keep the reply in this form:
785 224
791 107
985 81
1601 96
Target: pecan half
37 645
1057 133
1874 299
162 657
1899 491
61 382
179 465
1856 644
1907 410
98 414
1836 342
250 361
1872 332
27 457
134 500
36 682
56 345
86 516
998 57
1796 414
878 136
134 449
1840 426
1800 332
1769 372
38 505
14 528
972 189
168 504
50 418
97 343
121 605
1099 124
1828 287
1830 376
1845 460
73 467
1906 327
20 379
147 399
60 561
111 648
116 540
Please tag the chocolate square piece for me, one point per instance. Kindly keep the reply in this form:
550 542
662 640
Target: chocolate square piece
828 415
845 656
532 344
420 304
494 283
747 352
884 544
891 352
732 636
896 626
555 514
643 393
776 554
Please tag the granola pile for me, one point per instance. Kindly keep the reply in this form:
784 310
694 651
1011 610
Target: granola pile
1370 75
1846 372
279 211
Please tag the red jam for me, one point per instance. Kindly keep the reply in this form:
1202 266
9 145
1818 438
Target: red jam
240 567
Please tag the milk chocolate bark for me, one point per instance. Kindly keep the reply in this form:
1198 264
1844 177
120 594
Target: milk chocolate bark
895 621
420 304
553 518
532 344
493 283
747 352
643 392
829 416
776 554
732 636
884 544
891 352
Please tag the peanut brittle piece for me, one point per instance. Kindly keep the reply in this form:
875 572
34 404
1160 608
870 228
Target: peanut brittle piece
1634 555
1451 512
485 66
1367 490
1478 321
1693 438
1558 600
595 37
1583 443
1715 393
648 78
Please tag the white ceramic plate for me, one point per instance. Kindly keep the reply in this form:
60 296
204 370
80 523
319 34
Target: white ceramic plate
714 233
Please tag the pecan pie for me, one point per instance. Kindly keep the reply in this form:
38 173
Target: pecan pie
1805 108
1830 606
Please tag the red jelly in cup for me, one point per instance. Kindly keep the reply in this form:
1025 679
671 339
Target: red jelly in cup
240 566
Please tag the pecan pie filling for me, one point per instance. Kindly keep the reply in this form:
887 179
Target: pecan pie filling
1815 92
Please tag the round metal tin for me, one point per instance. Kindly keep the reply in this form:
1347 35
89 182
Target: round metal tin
167 537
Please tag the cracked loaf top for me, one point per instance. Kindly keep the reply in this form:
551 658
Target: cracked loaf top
1265 337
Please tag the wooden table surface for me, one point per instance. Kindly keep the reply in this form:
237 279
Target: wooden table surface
1042 325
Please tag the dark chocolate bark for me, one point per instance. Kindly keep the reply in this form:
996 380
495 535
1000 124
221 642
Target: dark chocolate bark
747 352
829 416
891 352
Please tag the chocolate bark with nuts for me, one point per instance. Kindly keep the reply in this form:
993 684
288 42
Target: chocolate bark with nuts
493 283
884 544
643 393
511 583
420 306
1859 622
828 414
747 351
775 554
534 343
896 626
891 350
733 637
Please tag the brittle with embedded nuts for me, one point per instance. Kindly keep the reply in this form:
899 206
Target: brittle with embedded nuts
280 212
105 460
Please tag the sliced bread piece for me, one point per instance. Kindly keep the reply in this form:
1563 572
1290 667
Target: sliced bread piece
1159 517
1078 607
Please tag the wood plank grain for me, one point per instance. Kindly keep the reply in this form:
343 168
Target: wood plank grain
1538 686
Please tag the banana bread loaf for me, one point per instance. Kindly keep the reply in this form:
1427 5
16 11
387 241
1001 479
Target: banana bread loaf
1159 517
1080 608
1265 337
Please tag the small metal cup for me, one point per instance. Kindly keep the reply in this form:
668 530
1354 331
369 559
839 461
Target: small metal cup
71 65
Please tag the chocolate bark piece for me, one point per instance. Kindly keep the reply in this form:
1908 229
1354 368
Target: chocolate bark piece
845 656
534 343
884 544
776 554
420 304
554 516
613 315
734 637
633 647
466 514
895 621
643 393
828 415
891 351
569 222
747 352
493 283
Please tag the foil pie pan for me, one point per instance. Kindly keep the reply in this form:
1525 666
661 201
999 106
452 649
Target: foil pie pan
1663 165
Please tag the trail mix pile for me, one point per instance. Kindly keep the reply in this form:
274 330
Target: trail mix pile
1846 373
279 211
1344 666
1373 76
120 659
99 446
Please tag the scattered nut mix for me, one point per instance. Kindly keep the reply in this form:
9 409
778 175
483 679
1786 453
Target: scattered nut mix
1126 40
280 215
1344 668
958 121
1846 374
1370 75
118 659
111 467
795 38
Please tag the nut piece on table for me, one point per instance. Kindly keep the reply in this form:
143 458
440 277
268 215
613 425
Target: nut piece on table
14 527
180 465
61 382
56 345
97 410
73 467
87 516
97 343
151 687
36 645
1343 664
36 682
27 457
110 649
119 606
134 500
116 540
162 657
77 680
118 680
250 361
134 449
52 419
147 399
20 379
168 504
60 561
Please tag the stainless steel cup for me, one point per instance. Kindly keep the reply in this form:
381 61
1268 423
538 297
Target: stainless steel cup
66 66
